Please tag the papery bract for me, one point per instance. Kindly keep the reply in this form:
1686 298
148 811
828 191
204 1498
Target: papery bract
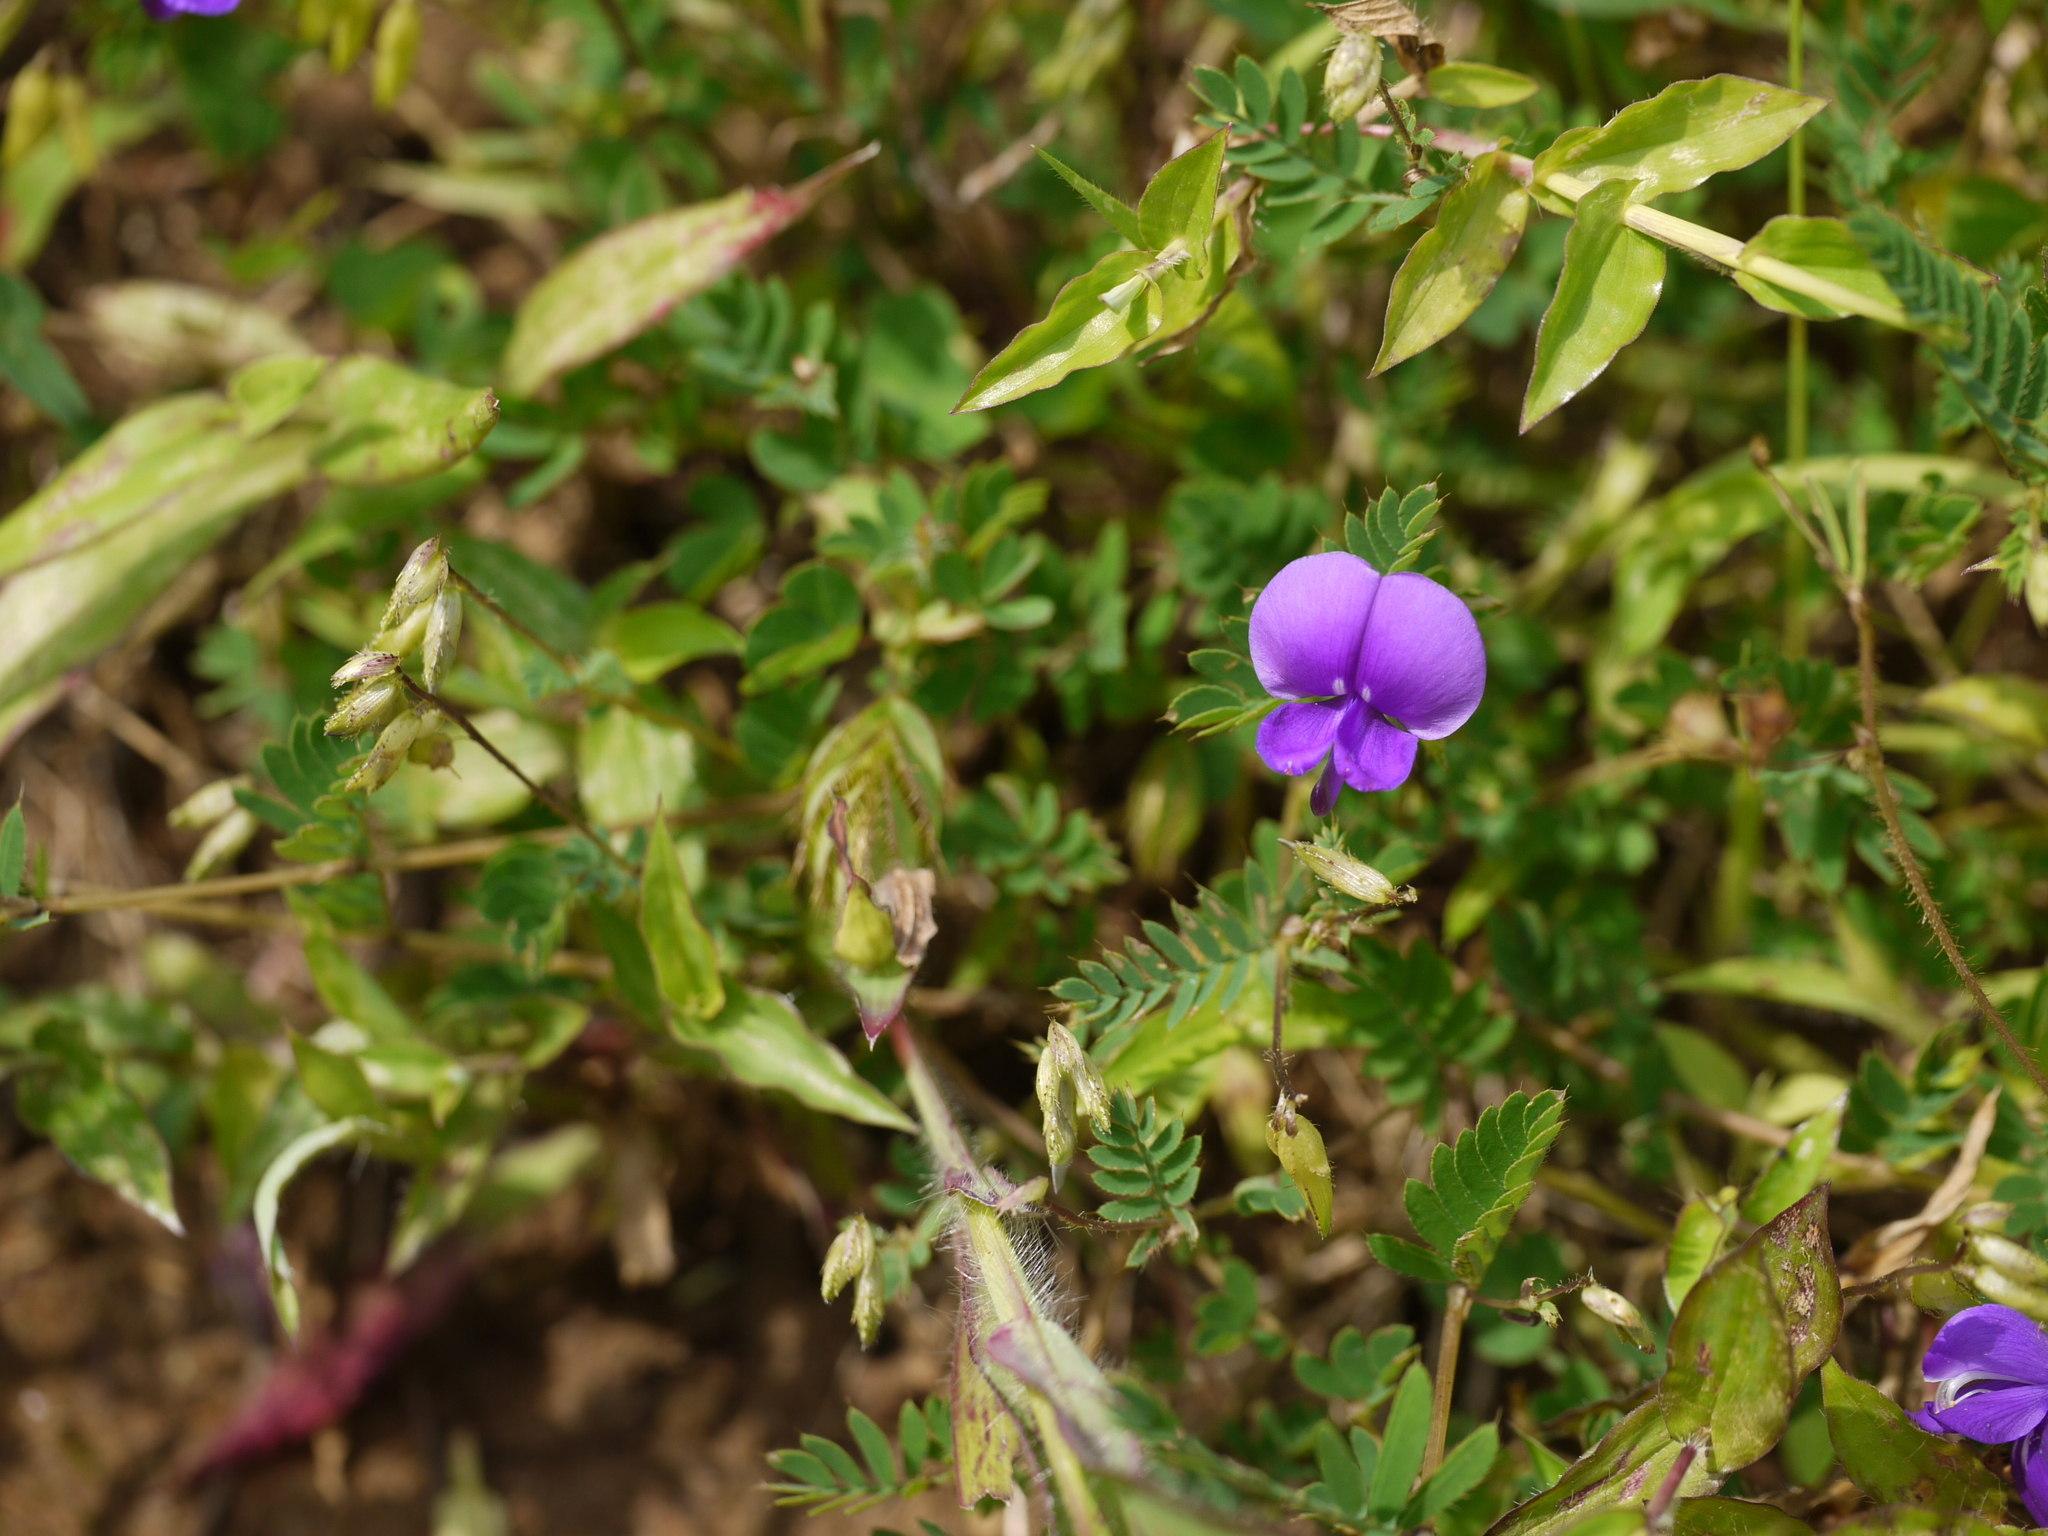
1368 663
1989 1370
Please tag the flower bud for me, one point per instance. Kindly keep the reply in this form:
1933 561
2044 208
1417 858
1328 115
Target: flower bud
398 47
444 630
1295 1140
31 108
1620 1314
74 120
1069 1082
1994 1285
1991 1216
349 30
316 19
206 806
223 843
1351 76
2036 588
851 1252
867 1304
866 938
407 635
371 706
435 751
2014 1260
389 754
1351 877
363 666
425 574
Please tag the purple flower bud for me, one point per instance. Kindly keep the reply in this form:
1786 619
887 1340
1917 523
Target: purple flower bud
1375 661
166 10
363 666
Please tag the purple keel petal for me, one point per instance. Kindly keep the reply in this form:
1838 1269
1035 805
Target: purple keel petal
1422 658
1323 798
1997 1416
1371 753
1989 1341
164 10
1295 738
1307 625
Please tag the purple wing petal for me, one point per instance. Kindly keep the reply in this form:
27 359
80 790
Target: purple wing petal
1996 1417
1307 625
1296 737
2030 1471
164 10
1989 1341
1422 658
1372 754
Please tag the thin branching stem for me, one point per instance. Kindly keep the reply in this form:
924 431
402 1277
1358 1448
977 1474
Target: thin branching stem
544 795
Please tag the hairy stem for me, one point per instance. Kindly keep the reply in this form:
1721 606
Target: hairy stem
1284 1103
1871 756
545 796
1457 1307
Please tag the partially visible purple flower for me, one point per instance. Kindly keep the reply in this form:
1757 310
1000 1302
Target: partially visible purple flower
1394 657
164 10
1989 1369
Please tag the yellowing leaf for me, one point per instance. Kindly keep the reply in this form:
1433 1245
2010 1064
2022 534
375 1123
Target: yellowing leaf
685 958
1080 331
1681 136
1823 247
1611 281
1470 84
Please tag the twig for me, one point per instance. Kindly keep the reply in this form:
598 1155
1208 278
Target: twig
490 605
1400 129
1871 759
546 797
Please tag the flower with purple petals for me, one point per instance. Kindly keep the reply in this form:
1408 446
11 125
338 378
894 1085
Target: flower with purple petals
1989 1370
1368 663
164 10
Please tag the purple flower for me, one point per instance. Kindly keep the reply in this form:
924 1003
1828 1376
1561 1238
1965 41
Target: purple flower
164 10
1394 657
1989 1369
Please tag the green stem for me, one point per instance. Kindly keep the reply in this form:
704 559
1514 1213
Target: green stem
1457 1307
1796 390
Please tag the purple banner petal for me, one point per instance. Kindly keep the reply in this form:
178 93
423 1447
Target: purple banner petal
1989 1341
1307 625
1422 660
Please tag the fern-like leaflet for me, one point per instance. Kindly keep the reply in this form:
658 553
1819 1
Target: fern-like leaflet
1988 345
1474 1191
824 1476
1393 530
1150 1165
1209 959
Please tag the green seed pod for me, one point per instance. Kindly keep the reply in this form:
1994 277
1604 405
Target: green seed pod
435 751
1351 76
1301 1152
390 752
425 574
444 630
31 108
206 806
1620 1314
398 49
367 709
74 119
2014 1260
867 1303
316 20
1351 877
349 31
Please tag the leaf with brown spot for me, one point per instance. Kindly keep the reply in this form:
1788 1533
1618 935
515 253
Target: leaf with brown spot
1731 1372
1799 1256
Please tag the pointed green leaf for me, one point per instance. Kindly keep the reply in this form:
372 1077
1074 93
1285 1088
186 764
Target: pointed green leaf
96 1123
1799 1256
1080 331
1611 281
1452 269
1343 1481
1402 1447
1464 1468
13 851
1682 135
284 1293
685 957
1407 1258
764 1041
1731 1365
1123 218
1894 1461
1467 83
1180 202
335 1083
1702 1232
349 991
1796 1167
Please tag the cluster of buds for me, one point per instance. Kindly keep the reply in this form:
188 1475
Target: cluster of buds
1999 1269
1351 76
855 1258
345 26
1069 1084
424 615
40 99
228 826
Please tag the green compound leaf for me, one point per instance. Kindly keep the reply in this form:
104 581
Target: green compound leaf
1824 247
1895 1461
1080 331
823 1476
1477 1184
1612 278
1394 529
1150 1165
1681 136
1359 1370
1731 1376
1452 269
1986 343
